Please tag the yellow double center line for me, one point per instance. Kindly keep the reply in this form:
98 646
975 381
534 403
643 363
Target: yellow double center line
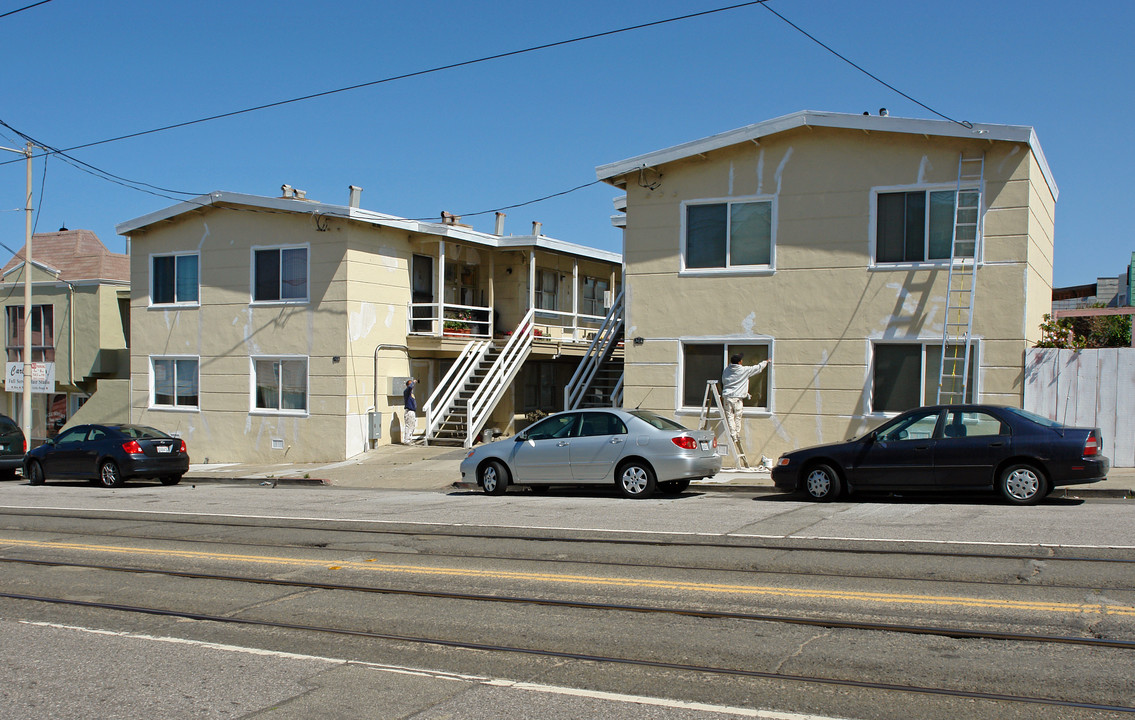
598 581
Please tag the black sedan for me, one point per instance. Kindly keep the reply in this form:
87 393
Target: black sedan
108 455
12 447
951 447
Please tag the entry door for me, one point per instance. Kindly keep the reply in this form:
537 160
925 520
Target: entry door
422 291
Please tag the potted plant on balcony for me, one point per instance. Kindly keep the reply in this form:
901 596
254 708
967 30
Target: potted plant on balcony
459 323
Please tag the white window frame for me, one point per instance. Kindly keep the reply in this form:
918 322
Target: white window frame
729 269
873 225
306 247
680 378
928 346
253 410
153 385
176 302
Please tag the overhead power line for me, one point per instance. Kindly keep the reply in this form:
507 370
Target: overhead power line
26 7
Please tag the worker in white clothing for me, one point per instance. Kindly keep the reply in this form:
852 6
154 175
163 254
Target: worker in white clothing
735 390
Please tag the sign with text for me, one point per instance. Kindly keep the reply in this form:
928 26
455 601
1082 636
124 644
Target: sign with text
42 377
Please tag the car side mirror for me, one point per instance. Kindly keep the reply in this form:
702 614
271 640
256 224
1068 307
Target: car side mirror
521 437
49 441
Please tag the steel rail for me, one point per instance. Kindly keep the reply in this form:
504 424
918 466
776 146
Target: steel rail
955 633
564 655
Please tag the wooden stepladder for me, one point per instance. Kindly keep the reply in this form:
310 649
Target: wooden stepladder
713 399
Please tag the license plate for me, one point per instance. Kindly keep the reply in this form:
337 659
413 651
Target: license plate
704 444
3 448
163 448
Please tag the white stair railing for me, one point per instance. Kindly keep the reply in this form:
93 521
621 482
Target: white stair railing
597 352
500 376
438 407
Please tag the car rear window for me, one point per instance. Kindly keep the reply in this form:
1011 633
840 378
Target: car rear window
658 421
7 426
1038 419
141 431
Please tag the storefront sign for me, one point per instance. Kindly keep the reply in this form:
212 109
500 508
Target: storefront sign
42 374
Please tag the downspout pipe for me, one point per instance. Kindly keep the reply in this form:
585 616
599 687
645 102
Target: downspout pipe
377 350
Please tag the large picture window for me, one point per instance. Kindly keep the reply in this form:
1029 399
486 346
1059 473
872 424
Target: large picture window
174 280
43 333
706 361
727 235
547 289
175 383
918 226
591 302
905 376
279 274
280 384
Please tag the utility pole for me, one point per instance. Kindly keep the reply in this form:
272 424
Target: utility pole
26 415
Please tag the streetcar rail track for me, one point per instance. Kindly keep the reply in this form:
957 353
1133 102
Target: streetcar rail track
827 623
565 655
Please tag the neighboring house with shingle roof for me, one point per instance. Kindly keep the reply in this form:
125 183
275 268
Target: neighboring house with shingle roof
74 276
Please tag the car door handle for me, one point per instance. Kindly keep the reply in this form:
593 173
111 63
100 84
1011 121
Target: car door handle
562 443
922 447
996 444
616 441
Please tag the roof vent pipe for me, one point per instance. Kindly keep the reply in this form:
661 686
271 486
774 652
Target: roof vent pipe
286 190
500 224
536 226
356 195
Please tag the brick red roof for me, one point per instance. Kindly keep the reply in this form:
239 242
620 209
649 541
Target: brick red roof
77 254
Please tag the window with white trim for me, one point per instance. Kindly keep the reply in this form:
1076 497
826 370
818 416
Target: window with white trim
43 333
279 384
279 274
593 297
174 279
918 225
706 361
905 376
728 235
174 382
547 289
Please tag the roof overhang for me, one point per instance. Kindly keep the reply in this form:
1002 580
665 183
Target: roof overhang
442 231
810 118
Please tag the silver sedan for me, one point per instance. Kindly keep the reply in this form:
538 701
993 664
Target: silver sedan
637 450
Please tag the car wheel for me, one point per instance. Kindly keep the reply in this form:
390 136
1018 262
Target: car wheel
636 479
171 479
1022 484
821 483
494 478
674 486
35 473
109 476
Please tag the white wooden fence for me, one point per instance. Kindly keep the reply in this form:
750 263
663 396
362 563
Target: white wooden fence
1092 388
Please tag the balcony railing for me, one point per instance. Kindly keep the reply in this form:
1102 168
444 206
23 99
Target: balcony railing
477 322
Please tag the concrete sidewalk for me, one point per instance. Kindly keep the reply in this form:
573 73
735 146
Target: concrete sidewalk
416 467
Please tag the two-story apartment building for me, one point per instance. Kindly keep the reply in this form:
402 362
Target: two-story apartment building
825 242
79 323
283 329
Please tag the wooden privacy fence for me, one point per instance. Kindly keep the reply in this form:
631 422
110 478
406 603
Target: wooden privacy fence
1094 388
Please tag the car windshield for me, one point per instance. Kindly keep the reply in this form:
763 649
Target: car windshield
1038 419
141 431
658 421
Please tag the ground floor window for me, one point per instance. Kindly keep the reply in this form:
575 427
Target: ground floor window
175 382
705 361
280 384
905 376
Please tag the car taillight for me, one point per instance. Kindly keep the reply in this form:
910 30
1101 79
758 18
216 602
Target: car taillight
686 443
714 442
1091 445
132 448
25 445
183 450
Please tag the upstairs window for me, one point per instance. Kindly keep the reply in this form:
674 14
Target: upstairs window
728 235
279 274
593 299
43 333
917 226
174 280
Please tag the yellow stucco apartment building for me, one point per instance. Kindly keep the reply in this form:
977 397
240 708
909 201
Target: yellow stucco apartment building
824 242
280 329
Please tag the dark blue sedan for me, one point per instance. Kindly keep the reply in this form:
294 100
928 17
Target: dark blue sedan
1019 454
108 455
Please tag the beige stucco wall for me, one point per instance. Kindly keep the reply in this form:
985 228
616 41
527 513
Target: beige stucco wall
823 304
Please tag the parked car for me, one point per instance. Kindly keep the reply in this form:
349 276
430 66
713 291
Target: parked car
13 445
636 450
951 447
108 455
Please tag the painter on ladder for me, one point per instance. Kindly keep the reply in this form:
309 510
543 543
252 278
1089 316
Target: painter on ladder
735 390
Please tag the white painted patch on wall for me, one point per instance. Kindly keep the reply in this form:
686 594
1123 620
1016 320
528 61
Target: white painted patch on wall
360 323
760 170
748 322
819 396
1005 161
780 168
922 165
202 242
389 316
387 257
730 178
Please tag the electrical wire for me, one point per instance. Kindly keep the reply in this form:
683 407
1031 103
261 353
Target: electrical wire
42 185
27 7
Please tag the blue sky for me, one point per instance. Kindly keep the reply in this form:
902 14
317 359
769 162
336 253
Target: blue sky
507 131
